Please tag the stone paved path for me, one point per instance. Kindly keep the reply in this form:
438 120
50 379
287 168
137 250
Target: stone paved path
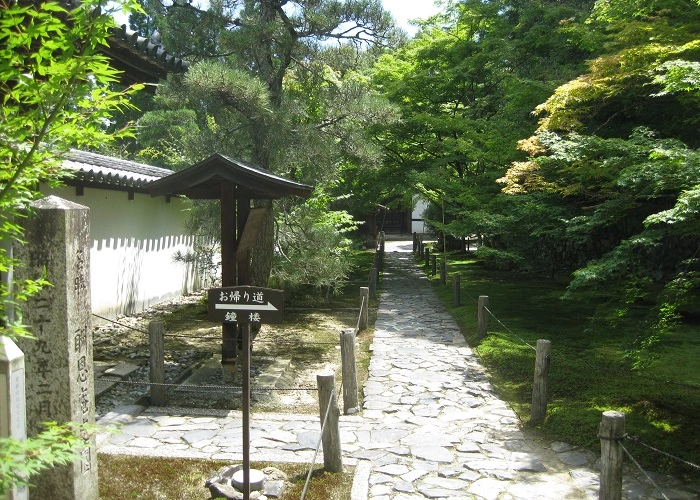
431 425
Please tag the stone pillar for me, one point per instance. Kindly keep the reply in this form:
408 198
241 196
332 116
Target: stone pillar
12 406
58 362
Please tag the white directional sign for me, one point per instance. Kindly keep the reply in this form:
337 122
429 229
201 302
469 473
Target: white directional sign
246 304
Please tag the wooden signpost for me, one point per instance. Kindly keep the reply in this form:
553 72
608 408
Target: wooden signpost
246 305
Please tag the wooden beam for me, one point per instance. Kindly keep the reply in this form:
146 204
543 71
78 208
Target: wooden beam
245 277
229 331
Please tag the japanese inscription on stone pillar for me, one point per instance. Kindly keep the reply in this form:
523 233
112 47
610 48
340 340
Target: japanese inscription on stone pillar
59 369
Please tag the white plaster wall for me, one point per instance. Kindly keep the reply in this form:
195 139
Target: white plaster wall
133 244
419 206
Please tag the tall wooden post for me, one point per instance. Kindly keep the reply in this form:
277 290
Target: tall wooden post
482 316
156 362
538 412
330 415
229 275
611 432
245 369
349 372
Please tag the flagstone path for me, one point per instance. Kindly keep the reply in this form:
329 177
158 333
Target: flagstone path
431 426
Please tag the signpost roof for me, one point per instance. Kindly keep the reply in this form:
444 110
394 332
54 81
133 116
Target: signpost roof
203 181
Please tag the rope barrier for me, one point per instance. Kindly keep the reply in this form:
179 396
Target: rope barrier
198 337
670 382
292 342
509 330
357 326
635 439
206 386
120 324
257 341
643 471
341 309
318 445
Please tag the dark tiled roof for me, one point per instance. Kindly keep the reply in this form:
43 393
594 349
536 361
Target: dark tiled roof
143 60
203 181
95 170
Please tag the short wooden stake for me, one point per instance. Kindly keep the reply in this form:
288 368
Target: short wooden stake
443 272
156 365
483 317
456 290
349 372
373 279
427 256
538 411
330 416
434 265
415 242
611 433
364 308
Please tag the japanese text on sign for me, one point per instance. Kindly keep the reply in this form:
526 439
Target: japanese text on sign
246 304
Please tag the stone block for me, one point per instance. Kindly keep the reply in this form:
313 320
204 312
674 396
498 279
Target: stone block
122 370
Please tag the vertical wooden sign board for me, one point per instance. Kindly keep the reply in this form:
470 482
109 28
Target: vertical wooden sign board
246 305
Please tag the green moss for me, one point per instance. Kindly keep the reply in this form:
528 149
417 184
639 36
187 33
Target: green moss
178 478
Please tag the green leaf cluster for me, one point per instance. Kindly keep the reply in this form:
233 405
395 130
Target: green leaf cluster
267 88
57 91
21 460
616 147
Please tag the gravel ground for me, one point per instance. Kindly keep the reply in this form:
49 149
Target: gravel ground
125 340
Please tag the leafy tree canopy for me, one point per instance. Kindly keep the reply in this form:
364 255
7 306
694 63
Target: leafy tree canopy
268 87
616 146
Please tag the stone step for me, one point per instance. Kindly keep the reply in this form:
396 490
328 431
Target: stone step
122 370
269 378
202 374
103 385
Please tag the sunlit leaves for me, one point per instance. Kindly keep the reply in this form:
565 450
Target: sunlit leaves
20 460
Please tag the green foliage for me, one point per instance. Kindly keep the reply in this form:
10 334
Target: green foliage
264 90
313 245
466 87
616 149
21 460
56 91
499 259
56 94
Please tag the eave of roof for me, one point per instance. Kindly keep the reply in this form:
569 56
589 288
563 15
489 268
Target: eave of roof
203 181
141 59
96 170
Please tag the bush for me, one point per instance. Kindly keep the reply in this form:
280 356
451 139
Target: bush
500 259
